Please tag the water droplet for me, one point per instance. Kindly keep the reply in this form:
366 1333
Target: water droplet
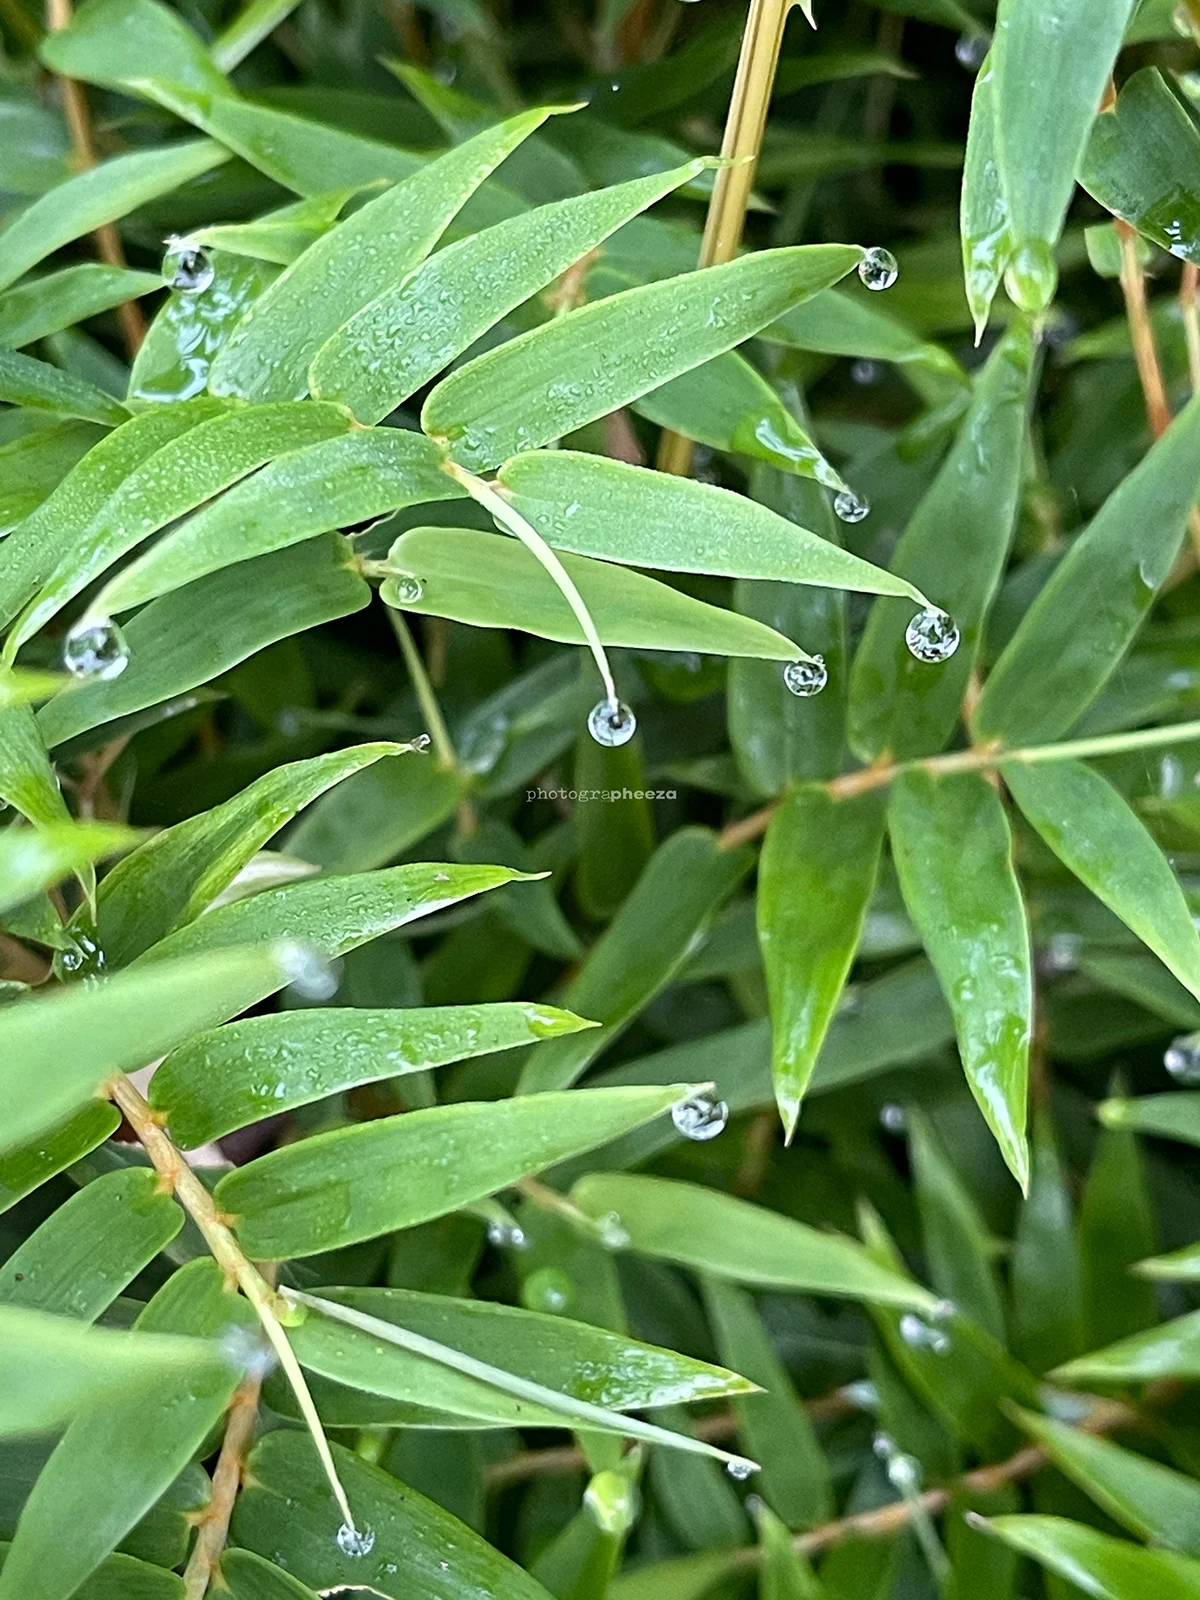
548 1289
407 589
613 1233
186 269
892 1118
864 371
805 678
310 971
878 269
850 507
739 1469
904 1471
1060 955
421 743
700 1118
918 1335
932 635
611 724
96 649
1182 1059
506 1235
971 49
82 958
862 1394
352 1541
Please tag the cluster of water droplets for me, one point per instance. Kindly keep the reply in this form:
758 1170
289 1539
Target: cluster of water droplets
1182 1059
611 723
878 268
806 678
95 650
700 1118
185 268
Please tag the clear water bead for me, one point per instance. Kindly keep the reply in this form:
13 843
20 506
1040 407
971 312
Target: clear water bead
879 268
850 507
310 972
739 1470
96 650
806 678
408 589
892 1118
700 1118
186 269
1182 1059
611 724
971 50
919 1335
352 1541
863 371
932 635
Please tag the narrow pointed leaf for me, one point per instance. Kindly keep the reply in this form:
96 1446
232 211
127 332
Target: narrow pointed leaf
953 854
956 1242
491 581
1046 1272
1169 1351
26 382
615 350
110 41
1167 1116
406 335
624 513
268 356
1090 827
816 876
1096 1563
729 1238
28 782
372 1178
836 324
984 222
122 1577
1141 164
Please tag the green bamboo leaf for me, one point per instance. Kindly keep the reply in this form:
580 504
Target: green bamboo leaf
1104 1567
256 21
27 1167
178 873
31 467
336 914
1051 62
784 1572
118 1024
491 581
121 1454
984 220
26 382
1169 1351
1046 1270
618 349
102 194
110 41
955 543
27 780
55 1367
35 548
955 1239
378 815
816 876
1141 163
279 236
628 514
59 299
953 854
173 646
176 356
236 1075
837 324
1167 1116
1116 1230
731 1239
641 950
268 356
773 1426
1152 1501
1083 619
122 1577
1089 827
35 859
376 1177
334 483
407 334
175 480
287 1506
250 1577
88 1251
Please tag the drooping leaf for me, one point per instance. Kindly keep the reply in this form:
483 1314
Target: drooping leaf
1141 163
26 382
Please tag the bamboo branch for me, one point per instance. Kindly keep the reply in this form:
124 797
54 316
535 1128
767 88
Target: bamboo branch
213 1529
1191 321
108 240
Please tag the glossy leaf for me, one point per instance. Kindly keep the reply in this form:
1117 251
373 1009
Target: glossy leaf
116 1025
816 875
616 350
250 1577
729 1238
491 581
624 513
26 382
122 1577
1089 826
1141 163
364 1180
28 782
111 41
1107 1568
47 304
29 1166
408 333
1085 616
268 356
836 324
86 1253
238 1074
35 859
984 221
644 946
953 855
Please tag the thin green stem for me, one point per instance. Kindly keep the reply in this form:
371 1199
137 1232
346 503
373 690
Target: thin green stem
442 744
